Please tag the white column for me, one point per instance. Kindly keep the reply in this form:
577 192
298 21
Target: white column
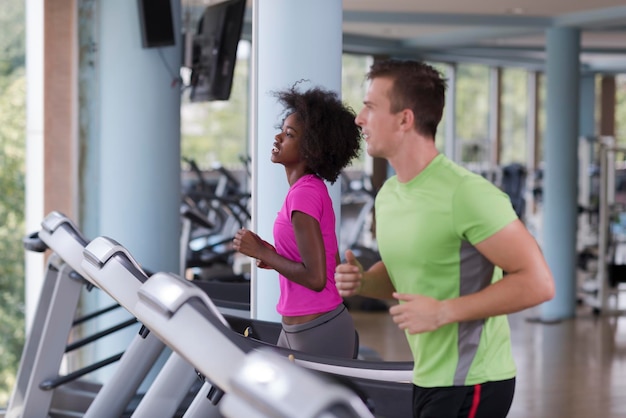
292 41
133 193
139 144
34 150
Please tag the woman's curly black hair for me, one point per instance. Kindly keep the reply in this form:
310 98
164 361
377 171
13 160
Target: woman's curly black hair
331 138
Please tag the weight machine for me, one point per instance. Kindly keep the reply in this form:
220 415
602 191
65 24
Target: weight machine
601 291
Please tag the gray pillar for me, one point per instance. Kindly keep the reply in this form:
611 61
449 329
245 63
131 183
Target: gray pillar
495 118
281 58
587 123
586 149
132 151
560 180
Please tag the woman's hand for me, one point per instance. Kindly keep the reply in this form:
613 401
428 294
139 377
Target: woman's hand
260 263
250 244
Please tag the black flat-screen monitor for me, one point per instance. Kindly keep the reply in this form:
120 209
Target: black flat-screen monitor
214 51
157 26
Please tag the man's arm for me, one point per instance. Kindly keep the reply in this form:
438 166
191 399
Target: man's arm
350 279
528 282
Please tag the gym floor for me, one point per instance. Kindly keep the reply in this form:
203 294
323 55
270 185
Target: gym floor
574 368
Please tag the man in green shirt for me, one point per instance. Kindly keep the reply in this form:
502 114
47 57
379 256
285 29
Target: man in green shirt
445 237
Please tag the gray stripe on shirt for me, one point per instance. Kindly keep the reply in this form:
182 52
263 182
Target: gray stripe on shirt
475 274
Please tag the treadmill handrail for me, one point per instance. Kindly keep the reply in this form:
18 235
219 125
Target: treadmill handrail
168 293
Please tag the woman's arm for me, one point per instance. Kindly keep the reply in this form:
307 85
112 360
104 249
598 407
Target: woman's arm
311 272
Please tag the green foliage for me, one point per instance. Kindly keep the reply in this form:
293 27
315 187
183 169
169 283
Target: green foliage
12 155
12 36
353 83
353 88
514 114
12 181
472 111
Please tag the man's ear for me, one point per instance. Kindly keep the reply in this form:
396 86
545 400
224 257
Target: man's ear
407 120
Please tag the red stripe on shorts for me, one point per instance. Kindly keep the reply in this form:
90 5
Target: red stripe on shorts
475 402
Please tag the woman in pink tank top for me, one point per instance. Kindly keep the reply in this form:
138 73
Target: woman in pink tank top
318 139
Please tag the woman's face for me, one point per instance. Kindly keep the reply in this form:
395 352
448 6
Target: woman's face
286 149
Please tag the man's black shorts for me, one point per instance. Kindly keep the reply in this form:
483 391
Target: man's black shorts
485 400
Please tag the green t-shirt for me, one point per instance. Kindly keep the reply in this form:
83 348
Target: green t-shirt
426 230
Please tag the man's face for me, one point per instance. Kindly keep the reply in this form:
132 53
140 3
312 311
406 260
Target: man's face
379 125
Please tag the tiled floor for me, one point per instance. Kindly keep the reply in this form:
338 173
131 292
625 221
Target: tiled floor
575 368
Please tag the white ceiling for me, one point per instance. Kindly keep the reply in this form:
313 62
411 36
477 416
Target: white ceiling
502 32
498 32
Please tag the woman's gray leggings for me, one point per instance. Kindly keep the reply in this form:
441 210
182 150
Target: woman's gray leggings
332 334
